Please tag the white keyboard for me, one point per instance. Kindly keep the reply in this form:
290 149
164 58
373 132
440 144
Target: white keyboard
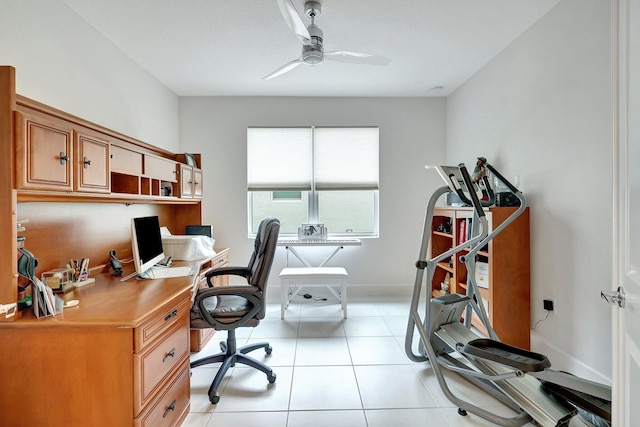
320 242
163 272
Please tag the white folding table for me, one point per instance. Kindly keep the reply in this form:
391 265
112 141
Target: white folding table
291 244
314 275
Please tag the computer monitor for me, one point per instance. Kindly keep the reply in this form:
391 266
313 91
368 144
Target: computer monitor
146 243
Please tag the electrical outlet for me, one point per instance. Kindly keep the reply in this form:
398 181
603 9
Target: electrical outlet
548 304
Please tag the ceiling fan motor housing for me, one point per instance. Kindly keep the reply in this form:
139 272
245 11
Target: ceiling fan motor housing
313 54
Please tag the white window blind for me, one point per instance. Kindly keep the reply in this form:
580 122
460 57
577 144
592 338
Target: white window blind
279 159
346 158
333 172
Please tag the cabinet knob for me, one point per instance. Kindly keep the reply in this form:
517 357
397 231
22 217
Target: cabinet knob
86 163
63 158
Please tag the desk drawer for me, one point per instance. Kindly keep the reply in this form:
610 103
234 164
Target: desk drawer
162 319
171 407
159 361
220 260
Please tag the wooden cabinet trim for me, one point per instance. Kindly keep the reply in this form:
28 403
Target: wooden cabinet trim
92 163
154 366
44 153
172 404
163 318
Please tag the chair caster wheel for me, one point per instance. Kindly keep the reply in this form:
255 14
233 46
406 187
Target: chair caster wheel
462 412
268 349
271 378
215 398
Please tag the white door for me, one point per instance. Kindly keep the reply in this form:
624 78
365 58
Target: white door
626 320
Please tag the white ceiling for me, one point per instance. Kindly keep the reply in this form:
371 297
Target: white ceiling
224 48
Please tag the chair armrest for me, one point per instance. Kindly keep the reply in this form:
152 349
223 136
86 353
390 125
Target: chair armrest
251 293
227 271
240 290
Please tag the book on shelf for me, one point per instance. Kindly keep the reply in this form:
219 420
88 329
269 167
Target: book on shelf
462 232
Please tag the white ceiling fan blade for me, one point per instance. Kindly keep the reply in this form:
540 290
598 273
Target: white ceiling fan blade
356 57
284 69
294 21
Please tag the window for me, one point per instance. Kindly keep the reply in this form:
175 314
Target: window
326 175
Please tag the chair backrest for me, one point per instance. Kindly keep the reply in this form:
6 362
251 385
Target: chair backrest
264 253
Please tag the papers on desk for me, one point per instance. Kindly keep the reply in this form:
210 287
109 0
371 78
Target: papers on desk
45 302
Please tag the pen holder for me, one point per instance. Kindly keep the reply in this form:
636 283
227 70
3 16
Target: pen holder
59 279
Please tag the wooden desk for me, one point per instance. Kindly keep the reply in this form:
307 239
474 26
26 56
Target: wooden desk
119 358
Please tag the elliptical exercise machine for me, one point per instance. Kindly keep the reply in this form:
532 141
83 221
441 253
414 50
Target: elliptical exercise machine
521 379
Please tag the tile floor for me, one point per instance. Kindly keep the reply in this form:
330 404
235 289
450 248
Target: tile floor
333 372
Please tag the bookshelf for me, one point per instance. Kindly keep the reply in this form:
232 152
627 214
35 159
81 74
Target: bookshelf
505 264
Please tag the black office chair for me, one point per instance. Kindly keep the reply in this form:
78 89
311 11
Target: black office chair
236 306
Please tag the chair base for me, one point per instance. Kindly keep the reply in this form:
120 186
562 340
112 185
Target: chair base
231 355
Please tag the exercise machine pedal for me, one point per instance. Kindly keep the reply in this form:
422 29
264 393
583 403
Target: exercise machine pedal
496 351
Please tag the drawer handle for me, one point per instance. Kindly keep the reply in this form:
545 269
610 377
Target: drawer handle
171 407
171 315
172 353
86 162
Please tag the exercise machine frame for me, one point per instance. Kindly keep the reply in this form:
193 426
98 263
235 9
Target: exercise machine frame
520 379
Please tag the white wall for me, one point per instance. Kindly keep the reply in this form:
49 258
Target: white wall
63 62
412 134
542 110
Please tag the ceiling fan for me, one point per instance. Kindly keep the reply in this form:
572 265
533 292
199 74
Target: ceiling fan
313 52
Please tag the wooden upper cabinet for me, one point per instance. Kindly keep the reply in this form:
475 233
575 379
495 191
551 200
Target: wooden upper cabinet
72 159
125 161
160 168
44 150
190 182
92 164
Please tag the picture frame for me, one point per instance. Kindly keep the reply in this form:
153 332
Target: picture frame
190 160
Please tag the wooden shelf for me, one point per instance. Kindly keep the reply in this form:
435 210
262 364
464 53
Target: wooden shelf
507 297
440 233
57 196
445 266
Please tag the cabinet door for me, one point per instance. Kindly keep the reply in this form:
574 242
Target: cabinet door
92 164
126 161
44 150
190 182
160 168
197 183
186 181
